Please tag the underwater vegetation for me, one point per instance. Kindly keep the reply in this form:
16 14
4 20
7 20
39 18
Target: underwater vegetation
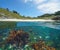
42 46
29 36
16 39
21 40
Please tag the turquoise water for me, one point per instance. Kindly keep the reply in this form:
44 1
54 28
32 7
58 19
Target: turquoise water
46 31
39 30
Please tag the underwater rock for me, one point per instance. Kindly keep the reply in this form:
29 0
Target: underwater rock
19 38
41 46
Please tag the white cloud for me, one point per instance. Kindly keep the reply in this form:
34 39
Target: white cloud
49 7
27 1
38 1
46 6
34 1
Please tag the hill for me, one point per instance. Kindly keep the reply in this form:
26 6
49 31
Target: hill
7 14
55 16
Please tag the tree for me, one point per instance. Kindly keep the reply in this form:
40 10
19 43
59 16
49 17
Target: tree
57 13
56 18
45 15
15 12
7 9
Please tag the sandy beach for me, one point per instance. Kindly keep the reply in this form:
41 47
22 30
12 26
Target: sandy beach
26 20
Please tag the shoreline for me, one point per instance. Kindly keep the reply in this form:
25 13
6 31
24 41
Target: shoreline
27 20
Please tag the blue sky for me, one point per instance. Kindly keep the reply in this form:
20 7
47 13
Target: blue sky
31 8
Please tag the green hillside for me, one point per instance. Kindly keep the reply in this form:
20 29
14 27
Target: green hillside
5 13
55 16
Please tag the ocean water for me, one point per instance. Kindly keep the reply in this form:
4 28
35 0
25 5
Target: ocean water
48 31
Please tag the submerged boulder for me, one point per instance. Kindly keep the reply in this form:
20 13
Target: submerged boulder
41 46
19 38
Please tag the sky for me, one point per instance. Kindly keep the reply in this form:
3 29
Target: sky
31 8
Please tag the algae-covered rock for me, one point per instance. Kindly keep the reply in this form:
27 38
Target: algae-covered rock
19 38
41 46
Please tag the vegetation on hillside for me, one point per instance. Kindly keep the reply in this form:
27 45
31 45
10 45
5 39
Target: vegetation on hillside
54 16
6 13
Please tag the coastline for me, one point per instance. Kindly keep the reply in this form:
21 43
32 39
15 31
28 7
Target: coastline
27 20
